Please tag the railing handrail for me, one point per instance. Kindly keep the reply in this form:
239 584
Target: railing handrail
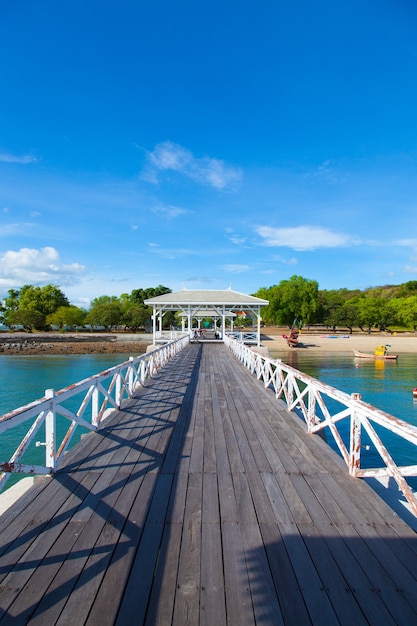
97 403
284 380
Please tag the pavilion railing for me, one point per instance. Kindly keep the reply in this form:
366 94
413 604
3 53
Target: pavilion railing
169 335
246 336
324 407
85 404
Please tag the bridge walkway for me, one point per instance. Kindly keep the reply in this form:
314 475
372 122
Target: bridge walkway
205 502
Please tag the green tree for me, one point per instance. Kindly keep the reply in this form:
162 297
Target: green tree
66 316
107 314
331 308
11 303
268 312
30 305
295 298
406 311
374 311
46 299
28 318
136 316
140 295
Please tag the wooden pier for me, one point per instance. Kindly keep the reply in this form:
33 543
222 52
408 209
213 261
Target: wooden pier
205 502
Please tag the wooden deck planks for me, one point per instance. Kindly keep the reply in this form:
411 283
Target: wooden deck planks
205 502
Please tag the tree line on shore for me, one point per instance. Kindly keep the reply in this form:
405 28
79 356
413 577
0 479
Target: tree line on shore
46 308
298 298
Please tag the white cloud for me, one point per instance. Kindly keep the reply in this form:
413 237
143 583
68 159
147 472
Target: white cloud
168 156
31 266
303 237
12 158
236 268
410 269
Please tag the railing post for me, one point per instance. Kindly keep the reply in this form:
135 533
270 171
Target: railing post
355 439
290 390
131 376
94 405
118 390
311 410
50 431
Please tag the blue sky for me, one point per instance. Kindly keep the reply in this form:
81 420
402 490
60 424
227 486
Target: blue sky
207 144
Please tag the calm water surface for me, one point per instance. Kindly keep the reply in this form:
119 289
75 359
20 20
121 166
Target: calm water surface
24 379
387 385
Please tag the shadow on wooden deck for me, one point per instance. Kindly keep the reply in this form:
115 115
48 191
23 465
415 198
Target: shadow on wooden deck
204 502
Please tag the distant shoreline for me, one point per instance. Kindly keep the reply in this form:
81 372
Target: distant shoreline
134 344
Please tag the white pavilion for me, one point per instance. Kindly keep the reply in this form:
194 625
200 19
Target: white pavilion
194 306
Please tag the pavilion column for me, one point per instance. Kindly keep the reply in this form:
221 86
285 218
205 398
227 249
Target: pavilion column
259 326
154 324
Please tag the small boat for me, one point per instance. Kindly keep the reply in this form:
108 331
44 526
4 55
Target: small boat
380 352
415 392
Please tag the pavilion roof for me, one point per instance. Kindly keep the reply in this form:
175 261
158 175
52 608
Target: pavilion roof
210 297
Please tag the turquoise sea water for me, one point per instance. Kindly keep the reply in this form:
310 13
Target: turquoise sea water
24 379
386 385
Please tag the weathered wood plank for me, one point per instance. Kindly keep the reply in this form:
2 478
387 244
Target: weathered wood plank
186 608
212 595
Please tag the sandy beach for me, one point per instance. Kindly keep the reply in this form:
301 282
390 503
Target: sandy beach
328 342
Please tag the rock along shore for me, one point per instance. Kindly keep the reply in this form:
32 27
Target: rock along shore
66 343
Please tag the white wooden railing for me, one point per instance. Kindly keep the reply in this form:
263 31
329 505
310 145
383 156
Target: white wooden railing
168 335
95 398
323 406
246 336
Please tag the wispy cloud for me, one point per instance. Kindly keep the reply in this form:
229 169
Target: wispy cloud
236 268
170 253
169 210
326 172
303 237
408 243
16 228
13 158
284 261
238 241
207 171
32 266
